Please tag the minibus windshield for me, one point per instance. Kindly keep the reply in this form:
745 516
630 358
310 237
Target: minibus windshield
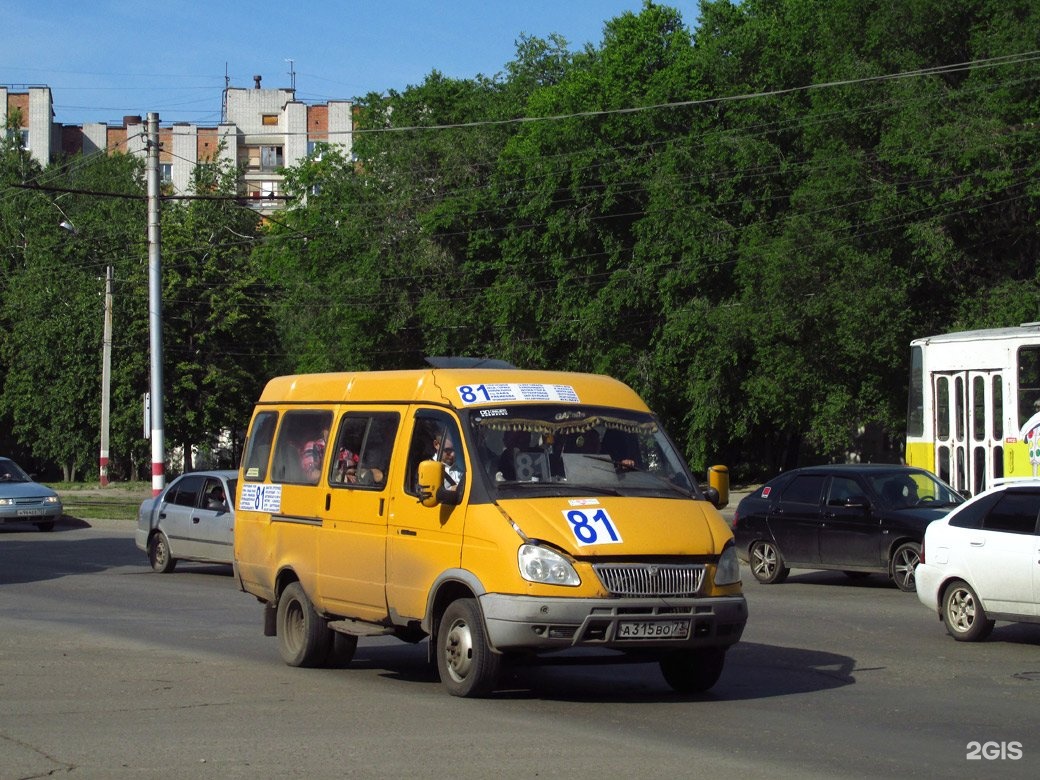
566 449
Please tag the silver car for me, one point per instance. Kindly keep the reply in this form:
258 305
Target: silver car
25 501
193 519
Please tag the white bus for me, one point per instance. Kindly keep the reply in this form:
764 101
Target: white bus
974 406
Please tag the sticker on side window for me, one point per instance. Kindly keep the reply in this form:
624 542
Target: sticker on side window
592 527
260 498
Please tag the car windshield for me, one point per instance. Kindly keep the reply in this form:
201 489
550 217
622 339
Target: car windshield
12 472
567 449
905 489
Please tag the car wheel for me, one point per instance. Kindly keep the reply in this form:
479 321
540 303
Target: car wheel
304 638
904 562
159 554
963 614
47 525
767 565
466 664
693 671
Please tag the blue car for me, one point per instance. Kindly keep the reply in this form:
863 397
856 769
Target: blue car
25 501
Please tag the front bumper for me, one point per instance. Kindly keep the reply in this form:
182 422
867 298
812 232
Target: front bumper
526 623
30 513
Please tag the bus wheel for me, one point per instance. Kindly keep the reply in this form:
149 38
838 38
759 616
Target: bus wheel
465 662
693 671
304 638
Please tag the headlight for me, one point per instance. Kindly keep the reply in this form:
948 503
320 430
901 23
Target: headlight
50 500
540 564
6 502
727 570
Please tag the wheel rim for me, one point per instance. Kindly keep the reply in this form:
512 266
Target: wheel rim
961 610
458 650
905 563
763 562
160 552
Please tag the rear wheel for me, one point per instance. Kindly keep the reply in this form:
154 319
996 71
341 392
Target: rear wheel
159 554
466 664
693 671
304 638
963 614
904 562
767 564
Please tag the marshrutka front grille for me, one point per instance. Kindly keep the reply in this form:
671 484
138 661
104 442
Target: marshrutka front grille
650 579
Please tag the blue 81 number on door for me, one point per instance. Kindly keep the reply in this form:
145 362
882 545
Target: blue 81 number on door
592 528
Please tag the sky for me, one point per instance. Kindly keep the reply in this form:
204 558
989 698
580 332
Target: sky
105 59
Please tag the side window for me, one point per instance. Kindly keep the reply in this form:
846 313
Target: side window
972 514
258 448
364 444
1016 513
213 496
842 489
300 448
187 492
435 437
805 489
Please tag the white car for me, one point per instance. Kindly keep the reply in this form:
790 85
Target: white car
981 562
192 519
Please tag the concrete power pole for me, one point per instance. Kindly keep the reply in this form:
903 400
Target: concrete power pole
155 308
106 377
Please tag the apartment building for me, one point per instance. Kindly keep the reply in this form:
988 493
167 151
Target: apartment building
262 131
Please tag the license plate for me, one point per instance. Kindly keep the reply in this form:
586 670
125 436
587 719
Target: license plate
30 512
655 629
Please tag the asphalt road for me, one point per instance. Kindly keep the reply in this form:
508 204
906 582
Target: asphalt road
109 670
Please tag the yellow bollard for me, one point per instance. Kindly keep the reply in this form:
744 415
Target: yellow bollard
718 478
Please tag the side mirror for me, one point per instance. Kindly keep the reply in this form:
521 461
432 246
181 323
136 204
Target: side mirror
431 477
712 495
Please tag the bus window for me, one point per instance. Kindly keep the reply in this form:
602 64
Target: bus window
915 406
978 479
998 407
944 464
978 408
998 463
958 419
1028 381
942 408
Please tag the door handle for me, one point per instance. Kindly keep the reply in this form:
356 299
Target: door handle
977 543
195 520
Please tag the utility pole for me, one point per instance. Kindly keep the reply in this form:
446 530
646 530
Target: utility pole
155 308
106 377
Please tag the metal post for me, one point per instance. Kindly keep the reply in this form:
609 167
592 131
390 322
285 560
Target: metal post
106 377
155 308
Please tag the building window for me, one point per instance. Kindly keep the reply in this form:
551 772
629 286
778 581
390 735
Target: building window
271 158
166 173
270 119
25 139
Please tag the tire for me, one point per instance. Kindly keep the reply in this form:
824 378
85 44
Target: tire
962 612
159 554
767 564
693 671
465 662
304 638
47 525
904 562
341 653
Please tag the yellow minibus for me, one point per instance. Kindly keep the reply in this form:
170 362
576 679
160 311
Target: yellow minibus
498 512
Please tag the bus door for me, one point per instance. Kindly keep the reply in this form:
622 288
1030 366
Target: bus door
969 430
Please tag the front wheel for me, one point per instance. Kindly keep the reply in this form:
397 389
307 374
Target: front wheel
693 671
767 564
962 612
159 554
904 562
304 638
466 664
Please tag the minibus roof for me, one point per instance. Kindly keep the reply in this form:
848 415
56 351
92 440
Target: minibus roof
442 386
